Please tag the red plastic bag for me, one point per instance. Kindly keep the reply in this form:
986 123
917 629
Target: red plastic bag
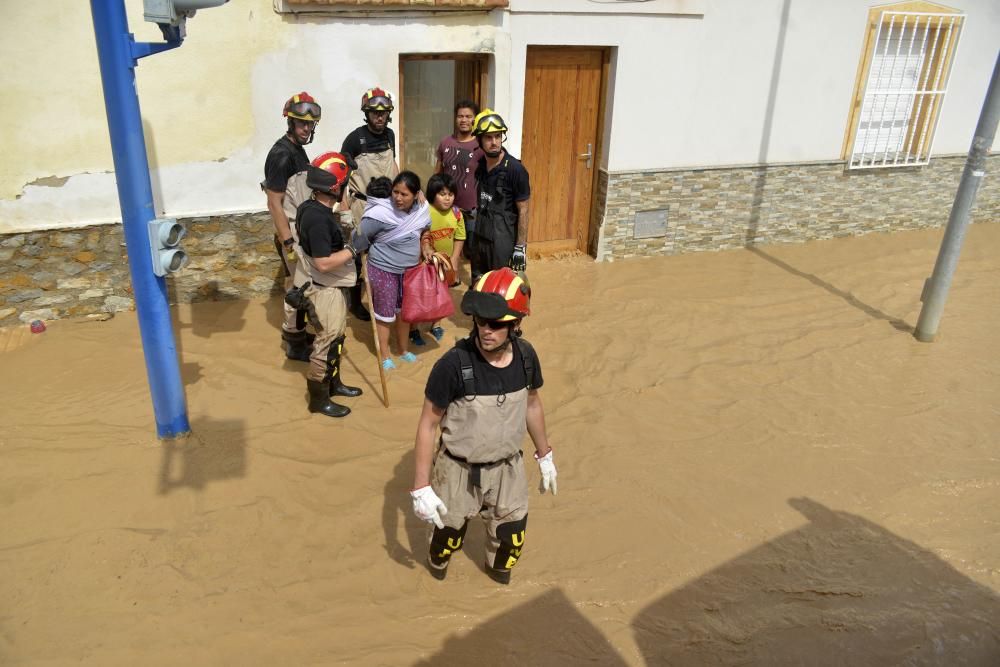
425 296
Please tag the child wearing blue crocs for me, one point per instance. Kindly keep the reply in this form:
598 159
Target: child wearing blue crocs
447 236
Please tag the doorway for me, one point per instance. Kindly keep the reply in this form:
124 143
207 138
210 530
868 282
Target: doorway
564 94
430 85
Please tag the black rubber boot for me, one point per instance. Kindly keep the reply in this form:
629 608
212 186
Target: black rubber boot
499 576
437 572
357 308
298 347
319 400
338 388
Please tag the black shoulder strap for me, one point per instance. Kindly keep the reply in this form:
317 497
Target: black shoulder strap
528 360
465 361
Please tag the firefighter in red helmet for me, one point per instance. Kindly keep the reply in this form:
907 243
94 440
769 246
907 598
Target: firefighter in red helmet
327 262
286 158
483 395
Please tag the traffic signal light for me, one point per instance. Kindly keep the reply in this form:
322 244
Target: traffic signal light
173 12
164 237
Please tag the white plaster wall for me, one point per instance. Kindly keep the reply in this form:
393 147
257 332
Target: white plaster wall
211 109
693 91
691 86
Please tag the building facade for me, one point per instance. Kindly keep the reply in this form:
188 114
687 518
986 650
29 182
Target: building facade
649 128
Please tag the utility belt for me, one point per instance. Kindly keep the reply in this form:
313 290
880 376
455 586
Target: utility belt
475 469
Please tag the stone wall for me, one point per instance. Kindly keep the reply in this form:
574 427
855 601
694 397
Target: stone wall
715 209
52 274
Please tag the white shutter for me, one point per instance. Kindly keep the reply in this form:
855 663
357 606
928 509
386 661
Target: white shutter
905 84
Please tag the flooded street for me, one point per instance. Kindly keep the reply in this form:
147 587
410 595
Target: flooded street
758 465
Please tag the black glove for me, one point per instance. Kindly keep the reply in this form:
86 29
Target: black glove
519 260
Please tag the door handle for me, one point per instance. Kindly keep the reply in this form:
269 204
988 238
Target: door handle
588 156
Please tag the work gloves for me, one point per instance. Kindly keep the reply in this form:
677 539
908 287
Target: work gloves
428 507
548 469
519 260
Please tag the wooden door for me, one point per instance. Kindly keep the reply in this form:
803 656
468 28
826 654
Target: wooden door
562 103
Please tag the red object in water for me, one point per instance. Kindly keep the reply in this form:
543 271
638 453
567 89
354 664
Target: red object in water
37 326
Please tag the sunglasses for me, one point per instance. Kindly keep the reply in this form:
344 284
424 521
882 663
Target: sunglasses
305 109
493 325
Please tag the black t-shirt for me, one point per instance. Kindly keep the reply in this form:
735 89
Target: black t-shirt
517 186
363 140
285 159
319 233
444 384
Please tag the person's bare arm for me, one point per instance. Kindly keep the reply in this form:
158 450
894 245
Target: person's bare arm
278 217
430 419
522 221
536 423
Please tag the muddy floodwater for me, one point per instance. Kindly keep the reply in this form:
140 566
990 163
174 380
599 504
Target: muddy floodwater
758 465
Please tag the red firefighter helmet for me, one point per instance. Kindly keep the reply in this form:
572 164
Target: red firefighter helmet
500 295
376 99
337 165
303 107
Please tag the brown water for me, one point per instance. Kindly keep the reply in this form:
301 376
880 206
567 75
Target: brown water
759 465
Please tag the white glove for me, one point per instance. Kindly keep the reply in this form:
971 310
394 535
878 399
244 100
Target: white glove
427 506
548 469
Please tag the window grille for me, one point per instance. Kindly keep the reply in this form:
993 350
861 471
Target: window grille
904 88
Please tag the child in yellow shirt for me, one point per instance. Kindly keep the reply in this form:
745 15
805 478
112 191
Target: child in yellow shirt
447 235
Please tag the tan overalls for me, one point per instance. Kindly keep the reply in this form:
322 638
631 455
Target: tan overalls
328 295
370 165
479 469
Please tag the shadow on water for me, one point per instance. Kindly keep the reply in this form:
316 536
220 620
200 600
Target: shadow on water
547 630
841 590
215 451
396 507
206 319
760 181
852 300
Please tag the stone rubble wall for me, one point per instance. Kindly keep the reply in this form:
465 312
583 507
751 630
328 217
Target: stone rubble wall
49 275
67 273
717 209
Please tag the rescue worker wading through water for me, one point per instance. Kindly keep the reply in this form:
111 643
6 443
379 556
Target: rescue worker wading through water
483 394
329 262
373 147
285 159
500 236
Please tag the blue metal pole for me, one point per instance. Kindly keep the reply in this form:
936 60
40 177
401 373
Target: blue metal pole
117 53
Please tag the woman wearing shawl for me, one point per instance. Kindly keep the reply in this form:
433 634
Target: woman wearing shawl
390 231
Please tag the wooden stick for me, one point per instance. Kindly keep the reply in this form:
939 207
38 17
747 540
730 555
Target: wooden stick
378 349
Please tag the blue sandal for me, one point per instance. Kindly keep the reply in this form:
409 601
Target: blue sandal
388 364
438 333
408 357
417 339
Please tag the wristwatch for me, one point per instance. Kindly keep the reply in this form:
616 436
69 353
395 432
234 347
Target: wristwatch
289 242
